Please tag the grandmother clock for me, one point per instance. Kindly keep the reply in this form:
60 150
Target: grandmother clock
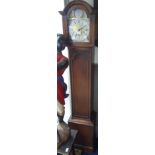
79 28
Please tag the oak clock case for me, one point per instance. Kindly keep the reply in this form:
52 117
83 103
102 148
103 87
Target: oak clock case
79 27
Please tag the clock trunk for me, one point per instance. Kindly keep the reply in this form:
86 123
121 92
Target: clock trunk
81 82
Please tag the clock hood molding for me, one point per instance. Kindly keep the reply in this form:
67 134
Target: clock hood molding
77 4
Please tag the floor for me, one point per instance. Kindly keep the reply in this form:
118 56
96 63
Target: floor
95 150
78 152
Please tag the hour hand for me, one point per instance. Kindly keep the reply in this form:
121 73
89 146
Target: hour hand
81 27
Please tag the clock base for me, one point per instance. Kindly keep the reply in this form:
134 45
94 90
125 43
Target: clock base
85 138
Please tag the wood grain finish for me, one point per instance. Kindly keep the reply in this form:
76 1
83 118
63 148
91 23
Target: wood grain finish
81 84
85 139
80 70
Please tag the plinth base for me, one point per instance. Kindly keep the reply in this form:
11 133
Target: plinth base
85 138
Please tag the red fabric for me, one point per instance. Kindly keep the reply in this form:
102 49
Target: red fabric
60 88
60 58
60 93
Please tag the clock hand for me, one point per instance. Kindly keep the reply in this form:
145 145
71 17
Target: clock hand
81 27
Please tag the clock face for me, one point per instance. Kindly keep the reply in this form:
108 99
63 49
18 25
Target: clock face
78 26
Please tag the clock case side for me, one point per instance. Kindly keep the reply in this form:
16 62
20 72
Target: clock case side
78 4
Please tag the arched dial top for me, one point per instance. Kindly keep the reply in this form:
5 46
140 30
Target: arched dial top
78 25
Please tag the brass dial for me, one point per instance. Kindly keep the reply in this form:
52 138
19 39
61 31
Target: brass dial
78 26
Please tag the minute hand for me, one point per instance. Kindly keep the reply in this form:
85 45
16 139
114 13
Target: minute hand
81 27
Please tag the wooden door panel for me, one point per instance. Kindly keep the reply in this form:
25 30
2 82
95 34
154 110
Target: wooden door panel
81 82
